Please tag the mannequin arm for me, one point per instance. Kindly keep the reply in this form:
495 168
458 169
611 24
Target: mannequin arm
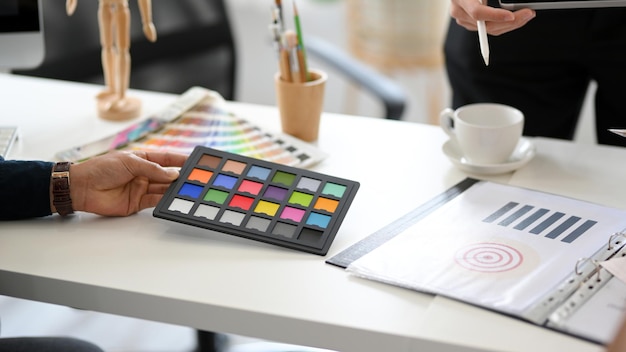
70 7
149 30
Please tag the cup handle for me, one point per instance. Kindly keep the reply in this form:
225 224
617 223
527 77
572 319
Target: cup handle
445 121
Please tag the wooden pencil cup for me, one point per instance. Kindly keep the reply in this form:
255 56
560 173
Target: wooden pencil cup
300 105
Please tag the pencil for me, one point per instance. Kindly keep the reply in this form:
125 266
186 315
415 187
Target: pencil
482 37
302 71
301 51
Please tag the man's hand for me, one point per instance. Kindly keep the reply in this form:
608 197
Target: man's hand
122 183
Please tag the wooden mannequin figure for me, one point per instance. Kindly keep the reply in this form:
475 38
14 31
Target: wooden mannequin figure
114 25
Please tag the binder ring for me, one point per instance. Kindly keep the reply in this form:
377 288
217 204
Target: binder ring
598 269
578 262
613 236
594 262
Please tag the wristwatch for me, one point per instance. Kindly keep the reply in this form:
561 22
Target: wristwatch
61 188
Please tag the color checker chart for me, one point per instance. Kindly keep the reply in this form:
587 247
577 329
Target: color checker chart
259 200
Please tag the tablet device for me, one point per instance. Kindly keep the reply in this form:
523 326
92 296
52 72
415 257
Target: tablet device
21 34
559 4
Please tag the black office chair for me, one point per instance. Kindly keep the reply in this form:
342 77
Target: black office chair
195 47
389 93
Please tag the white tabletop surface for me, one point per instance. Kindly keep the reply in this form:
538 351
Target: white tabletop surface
149 268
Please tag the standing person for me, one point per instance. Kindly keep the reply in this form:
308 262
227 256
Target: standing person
542 63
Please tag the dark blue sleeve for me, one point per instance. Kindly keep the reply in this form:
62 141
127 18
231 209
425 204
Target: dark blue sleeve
24 189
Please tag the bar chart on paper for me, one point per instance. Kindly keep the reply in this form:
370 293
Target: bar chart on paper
540 221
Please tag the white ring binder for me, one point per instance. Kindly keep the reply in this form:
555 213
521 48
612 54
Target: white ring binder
577 297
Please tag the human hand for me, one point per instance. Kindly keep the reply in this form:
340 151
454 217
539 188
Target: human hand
122 183
498 21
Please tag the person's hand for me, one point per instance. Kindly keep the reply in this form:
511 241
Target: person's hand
122 183
498 21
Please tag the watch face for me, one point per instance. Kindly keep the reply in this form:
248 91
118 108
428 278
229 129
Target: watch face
19 16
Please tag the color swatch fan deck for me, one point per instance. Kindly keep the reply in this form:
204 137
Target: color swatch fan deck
201 117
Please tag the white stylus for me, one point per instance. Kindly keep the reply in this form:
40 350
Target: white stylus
617 131
482 37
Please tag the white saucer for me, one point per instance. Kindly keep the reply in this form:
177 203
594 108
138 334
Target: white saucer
523 153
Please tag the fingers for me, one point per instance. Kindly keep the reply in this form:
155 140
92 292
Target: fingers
468 12
152 196
522 17
498 21
163 159
151 165
157 188
143 198
149 201
145 194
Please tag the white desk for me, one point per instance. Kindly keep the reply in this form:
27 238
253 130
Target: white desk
148 268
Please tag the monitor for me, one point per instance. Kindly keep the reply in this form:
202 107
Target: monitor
21 34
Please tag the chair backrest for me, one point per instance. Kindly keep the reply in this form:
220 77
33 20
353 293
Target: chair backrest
195 46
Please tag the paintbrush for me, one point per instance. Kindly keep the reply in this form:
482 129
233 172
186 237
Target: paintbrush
301 51
279 6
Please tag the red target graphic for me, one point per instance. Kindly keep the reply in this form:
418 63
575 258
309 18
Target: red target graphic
489 257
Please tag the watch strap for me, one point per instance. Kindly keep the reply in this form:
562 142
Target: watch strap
61 188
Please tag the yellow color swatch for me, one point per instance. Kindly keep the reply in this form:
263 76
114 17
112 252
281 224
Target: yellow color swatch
265 207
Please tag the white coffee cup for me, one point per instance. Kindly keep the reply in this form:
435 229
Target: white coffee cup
486 133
